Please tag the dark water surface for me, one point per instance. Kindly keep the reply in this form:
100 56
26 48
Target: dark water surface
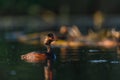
83 63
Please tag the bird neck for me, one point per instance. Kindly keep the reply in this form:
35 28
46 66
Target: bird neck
48 49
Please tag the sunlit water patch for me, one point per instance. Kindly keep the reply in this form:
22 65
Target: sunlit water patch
104 61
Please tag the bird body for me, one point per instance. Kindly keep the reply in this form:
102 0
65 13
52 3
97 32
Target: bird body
34 57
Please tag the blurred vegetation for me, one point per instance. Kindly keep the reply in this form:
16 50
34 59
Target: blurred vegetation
15 7
24 6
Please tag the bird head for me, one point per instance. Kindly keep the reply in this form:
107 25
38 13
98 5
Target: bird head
49 38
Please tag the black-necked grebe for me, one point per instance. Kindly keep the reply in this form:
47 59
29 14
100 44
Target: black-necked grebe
35 57
48 57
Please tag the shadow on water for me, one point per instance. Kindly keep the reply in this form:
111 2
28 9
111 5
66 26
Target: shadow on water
84 63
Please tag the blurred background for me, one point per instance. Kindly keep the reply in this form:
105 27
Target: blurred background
93 52
40 15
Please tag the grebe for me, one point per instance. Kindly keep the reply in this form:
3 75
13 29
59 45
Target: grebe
35 57
48 57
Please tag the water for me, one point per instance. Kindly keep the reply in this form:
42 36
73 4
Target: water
84 63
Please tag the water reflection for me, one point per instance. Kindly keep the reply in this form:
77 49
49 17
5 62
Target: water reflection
81 63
